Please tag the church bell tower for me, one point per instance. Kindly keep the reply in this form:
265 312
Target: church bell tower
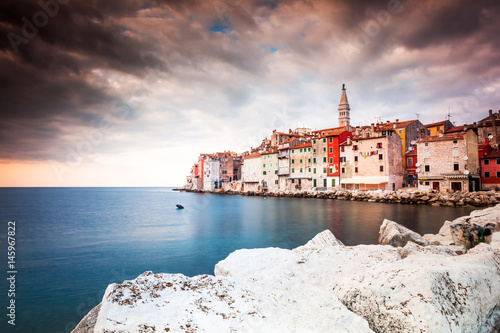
344 110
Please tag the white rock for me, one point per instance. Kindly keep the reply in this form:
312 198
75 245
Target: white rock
321 240
394 234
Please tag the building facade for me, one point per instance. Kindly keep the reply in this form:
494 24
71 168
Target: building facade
490 170
448 162
251 172
270 165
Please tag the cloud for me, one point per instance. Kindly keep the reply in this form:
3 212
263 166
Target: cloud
220 74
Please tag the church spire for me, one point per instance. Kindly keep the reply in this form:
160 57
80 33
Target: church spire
344 109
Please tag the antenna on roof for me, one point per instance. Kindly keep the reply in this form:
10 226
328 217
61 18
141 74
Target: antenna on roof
378 119
448 116
418 115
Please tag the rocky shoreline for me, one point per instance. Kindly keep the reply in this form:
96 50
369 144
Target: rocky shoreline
448 282
406 196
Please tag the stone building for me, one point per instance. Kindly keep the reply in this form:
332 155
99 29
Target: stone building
371 163
439 127
488 129
251 172
269 161
211 173
226 166
448 162
301 169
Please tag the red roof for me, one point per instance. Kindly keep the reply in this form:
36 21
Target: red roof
492 154
304 145
270 152
399 124
329 129
436 124
445 137
290 134
252 156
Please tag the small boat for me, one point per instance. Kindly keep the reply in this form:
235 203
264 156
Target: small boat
180 206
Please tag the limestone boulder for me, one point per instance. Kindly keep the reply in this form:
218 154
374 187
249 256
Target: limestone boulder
394 234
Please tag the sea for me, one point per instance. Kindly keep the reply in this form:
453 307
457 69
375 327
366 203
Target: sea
71 243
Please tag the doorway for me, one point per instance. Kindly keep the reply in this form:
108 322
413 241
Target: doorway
435 186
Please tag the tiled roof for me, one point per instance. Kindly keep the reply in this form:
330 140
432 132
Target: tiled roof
492 154
399 124
304 145
445 137
252 156
270 152
436 124
329 129
290 134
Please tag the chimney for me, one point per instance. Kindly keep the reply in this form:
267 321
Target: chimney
289 131
388 122
348 140
373 126
397 121
394 125
465 127
490 112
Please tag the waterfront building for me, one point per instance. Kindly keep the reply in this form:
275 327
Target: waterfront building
251 172
301 169
411 166
269 161
449 162
372 162
226 169
409 131
439 127
211 173
490 170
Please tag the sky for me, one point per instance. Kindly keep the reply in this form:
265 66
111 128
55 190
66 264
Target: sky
130 92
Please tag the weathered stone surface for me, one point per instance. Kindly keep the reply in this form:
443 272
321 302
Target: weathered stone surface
394 234
87 324
321 240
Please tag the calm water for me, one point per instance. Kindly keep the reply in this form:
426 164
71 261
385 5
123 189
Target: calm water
73 242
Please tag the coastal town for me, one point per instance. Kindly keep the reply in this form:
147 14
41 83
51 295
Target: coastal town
389 155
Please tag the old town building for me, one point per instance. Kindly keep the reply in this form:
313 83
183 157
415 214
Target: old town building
490 170
251 172
448 162
439 127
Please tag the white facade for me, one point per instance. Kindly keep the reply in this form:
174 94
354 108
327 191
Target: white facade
270 171
211 178
251 173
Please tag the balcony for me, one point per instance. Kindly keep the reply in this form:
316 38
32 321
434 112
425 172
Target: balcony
283 154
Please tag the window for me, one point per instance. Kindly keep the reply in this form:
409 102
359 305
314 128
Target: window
498 174
264 173
324 140
224 172
330 139
356 169
487 174
427 168
301 150
314 170
486 162
293 170
409 161
380 156
324 159
264 157
400 131
331 160
314 160
309 169
324 148
427 183
308 149
381 168
300 161
379 145
355 147
314 141
276 172
300 169
314 150
342 149
355 158
264 165
276 182
455 141
438 128
456 167
293 151
331 150
331 170
498 161
427 144
343 159
333 182
309 160
293 160
343 170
